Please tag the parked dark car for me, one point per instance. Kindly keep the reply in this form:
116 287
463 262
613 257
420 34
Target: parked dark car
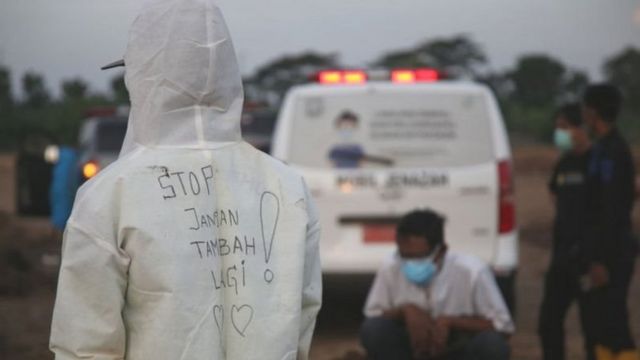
33 175
100 141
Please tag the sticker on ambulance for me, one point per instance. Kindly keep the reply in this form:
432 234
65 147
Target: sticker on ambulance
419 179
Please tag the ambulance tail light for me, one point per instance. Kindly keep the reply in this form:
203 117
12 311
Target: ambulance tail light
506 200
90 169
408 76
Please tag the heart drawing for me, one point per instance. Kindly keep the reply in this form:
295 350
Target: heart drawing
218 316
241 317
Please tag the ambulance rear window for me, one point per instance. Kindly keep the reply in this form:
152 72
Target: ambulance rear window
404 129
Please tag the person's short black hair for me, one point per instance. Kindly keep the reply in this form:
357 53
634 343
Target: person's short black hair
423 223
347 116
571 112
605 99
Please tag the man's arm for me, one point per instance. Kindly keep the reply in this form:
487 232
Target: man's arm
87 317
617 176
489 305
466 323
444 325
552 185
490 313
379 301
396 314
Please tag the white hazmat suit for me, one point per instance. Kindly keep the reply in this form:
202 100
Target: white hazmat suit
193 245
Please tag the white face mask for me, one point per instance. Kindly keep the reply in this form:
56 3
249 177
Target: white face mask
346 134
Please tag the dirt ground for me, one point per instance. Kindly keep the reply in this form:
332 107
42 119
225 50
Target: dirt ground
28 268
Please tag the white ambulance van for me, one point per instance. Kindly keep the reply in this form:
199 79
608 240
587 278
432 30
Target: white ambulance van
372 150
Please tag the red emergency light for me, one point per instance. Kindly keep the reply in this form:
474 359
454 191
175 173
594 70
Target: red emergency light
407 76
342 77
402 76
354 77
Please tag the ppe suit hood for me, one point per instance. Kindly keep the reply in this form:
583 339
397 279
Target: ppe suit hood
183 78
195 245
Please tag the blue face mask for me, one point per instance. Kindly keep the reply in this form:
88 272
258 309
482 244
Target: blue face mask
562 139
420 271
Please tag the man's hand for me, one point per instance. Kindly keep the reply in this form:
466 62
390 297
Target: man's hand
440 336
599 275
419 325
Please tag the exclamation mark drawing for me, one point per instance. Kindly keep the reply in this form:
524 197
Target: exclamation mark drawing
269 215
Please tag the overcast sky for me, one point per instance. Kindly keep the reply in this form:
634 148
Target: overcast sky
72 38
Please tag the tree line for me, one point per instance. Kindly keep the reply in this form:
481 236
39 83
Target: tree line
38 113
528 91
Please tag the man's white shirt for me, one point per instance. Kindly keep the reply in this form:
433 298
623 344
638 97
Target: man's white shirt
464 286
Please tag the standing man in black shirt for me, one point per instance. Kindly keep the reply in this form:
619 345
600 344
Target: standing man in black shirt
611 249
568 186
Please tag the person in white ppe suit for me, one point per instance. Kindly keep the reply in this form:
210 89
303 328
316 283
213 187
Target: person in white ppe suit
193 245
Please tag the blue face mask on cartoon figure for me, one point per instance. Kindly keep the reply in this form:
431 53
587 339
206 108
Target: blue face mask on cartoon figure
420 271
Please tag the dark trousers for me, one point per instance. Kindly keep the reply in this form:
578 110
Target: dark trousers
609 308
561 289
386 339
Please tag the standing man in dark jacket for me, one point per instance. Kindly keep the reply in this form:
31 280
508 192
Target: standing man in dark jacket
568 186
611 249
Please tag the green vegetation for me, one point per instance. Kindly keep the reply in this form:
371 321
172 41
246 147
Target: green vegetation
528 92
37 112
